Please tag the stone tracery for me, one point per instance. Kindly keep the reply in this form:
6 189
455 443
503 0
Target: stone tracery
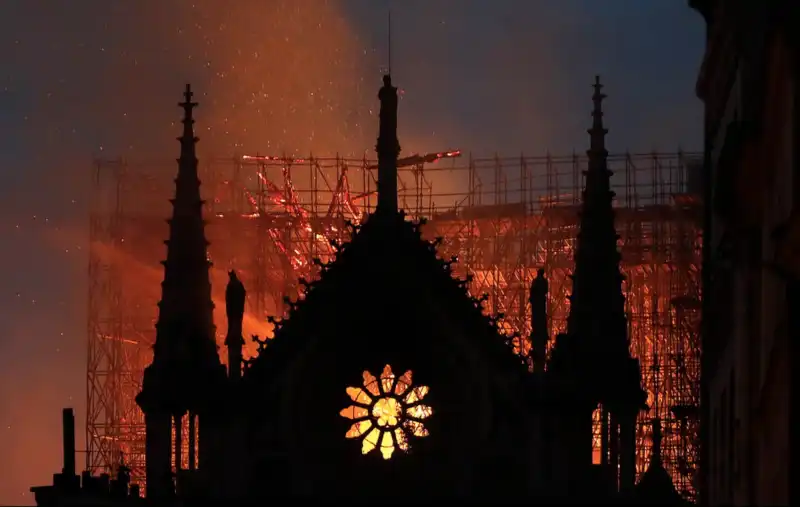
386 411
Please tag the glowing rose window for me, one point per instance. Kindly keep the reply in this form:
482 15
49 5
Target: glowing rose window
386 412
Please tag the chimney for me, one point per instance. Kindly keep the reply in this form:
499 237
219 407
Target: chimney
68 426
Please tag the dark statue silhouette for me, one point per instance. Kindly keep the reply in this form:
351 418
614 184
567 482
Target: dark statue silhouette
235 296
539 330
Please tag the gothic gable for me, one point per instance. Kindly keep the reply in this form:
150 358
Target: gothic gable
385 360
389 283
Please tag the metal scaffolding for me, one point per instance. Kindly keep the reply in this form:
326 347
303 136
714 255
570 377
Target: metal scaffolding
269 217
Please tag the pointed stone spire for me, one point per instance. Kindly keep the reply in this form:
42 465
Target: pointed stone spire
186 372
597 310
594 356
185 332
388 148
186 291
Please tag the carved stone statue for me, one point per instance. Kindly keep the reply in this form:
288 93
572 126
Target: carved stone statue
234 298
539 331
234 306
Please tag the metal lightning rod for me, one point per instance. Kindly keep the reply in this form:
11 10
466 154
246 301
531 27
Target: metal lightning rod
389 32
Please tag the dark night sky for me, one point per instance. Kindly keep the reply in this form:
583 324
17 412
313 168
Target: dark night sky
94 77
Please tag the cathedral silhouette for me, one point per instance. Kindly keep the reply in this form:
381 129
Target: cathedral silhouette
411 394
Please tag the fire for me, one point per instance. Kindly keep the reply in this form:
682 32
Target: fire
291 211
144 283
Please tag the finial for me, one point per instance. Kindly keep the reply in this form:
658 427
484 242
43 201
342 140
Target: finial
598 86
598 131
187 103
188 139
598 96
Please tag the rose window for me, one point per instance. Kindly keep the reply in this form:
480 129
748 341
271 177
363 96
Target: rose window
386 412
